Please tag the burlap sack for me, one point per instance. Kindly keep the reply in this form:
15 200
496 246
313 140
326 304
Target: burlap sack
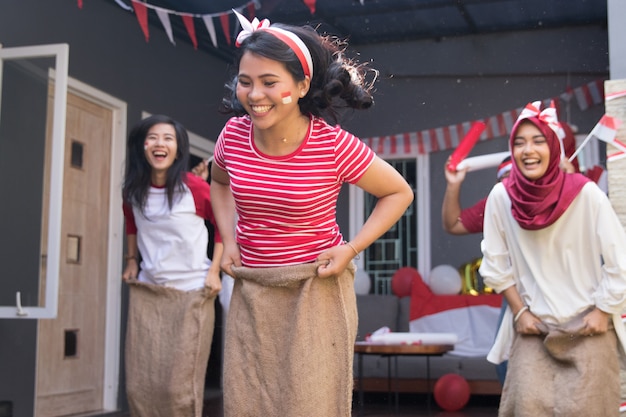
562 374
168 342
290 343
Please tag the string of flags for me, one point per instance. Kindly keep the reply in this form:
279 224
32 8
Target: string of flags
449 137
141 11
141 7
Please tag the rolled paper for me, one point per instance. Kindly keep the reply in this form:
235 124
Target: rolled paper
479 162
411 338
466 145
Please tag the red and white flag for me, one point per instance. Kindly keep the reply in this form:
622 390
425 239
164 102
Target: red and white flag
615 156
606 131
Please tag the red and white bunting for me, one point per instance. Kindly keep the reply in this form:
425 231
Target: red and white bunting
225 26
210 27
448 137
191 29
141 11
164 17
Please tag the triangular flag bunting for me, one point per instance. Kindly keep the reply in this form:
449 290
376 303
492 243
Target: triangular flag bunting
80 4
165 21
225 26
141 11
251 11
191 30
311 5
210 27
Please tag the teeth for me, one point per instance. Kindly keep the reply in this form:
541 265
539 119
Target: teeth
261 109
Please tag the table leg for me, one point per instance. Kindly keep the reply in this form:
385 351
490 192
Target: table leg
361 396
428 391
389 380
395 359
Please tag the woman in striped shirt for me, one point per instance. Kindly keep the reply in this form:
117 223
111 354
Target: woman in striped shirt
278 169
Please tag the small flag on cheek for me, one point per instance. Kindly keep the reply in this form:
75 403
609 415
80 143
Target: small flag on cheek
145 145
286 96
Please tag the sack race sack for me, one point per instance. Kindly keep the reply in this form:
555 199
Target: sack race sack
168 342
290 343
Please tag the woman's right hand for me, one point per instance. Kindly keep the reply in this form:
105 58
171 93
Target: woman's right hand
456 177
527 323
230 257
131 270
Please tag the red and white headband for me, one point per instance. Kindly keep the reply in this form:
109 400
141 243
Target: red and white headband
289 38
503 168
547 116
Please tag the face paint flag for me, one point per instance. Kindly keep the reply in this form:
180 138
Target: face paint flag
605 130
286 96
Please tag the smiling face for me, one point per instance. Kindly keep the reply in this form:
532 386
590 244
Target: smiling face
268 92
531 151
160 149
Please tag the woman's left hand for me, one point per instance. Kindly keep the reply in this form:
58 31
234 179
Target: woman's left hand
334 261
596 322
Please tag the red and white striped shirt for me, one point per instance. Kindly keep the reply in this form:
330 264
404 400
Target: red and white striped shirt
287 204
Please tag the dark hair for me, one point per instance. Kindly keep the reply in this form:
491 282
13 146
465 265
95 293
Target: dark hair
338 82
138 171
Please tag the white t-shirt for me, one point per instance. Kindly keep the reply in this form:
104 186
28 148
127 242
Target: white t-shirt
577 262
173 243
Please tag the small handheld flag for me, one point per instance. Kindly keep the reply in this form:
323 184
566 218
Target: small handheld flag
605 130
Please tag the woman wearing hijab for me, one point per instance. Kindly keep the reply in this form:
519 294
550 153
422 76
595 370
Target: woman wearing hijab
554 247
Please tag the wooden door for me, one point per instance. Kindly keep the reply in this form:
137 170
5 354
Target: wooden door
71 348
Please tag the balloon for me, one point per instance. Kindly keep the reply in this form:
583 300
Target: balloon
451 392
445 280
402 281
362 282
472 282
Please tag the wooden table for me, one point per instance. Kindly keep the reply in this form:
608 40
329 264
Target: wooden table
394 350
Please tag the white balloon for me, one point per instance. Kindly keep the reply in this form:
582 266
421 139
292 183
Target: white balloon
445 280
362 282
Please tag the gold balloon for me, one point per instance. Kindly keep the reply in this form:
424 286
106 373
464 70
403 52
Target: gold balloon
471 284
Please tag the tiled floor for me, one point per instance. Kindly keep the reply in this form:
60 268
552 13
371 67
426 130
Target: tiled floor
378 405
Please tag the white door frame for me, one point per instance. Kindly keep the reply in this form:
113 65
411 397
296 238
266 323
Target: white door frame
115 238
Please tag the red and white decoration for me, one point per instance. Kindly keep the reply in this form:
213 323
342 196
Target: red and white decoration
472 318
141 11
606 131
141 7
449 137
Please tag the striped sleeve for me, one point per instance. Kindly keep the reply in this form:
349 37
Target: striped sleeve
353 157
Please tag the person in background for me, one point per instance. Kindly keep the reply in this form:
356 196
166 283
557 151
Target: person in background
172 292
279 165
553 246
201 169
458 221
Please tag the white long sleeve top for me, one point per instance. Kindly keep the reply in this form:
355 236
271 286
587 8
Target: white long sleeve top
561 270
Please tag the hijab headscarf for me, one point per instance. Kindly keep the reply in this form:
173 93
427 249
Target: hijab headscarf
539 203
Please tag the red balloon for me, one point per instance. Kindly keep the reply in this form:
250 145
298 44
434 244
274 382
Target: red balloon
402 281
451 392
